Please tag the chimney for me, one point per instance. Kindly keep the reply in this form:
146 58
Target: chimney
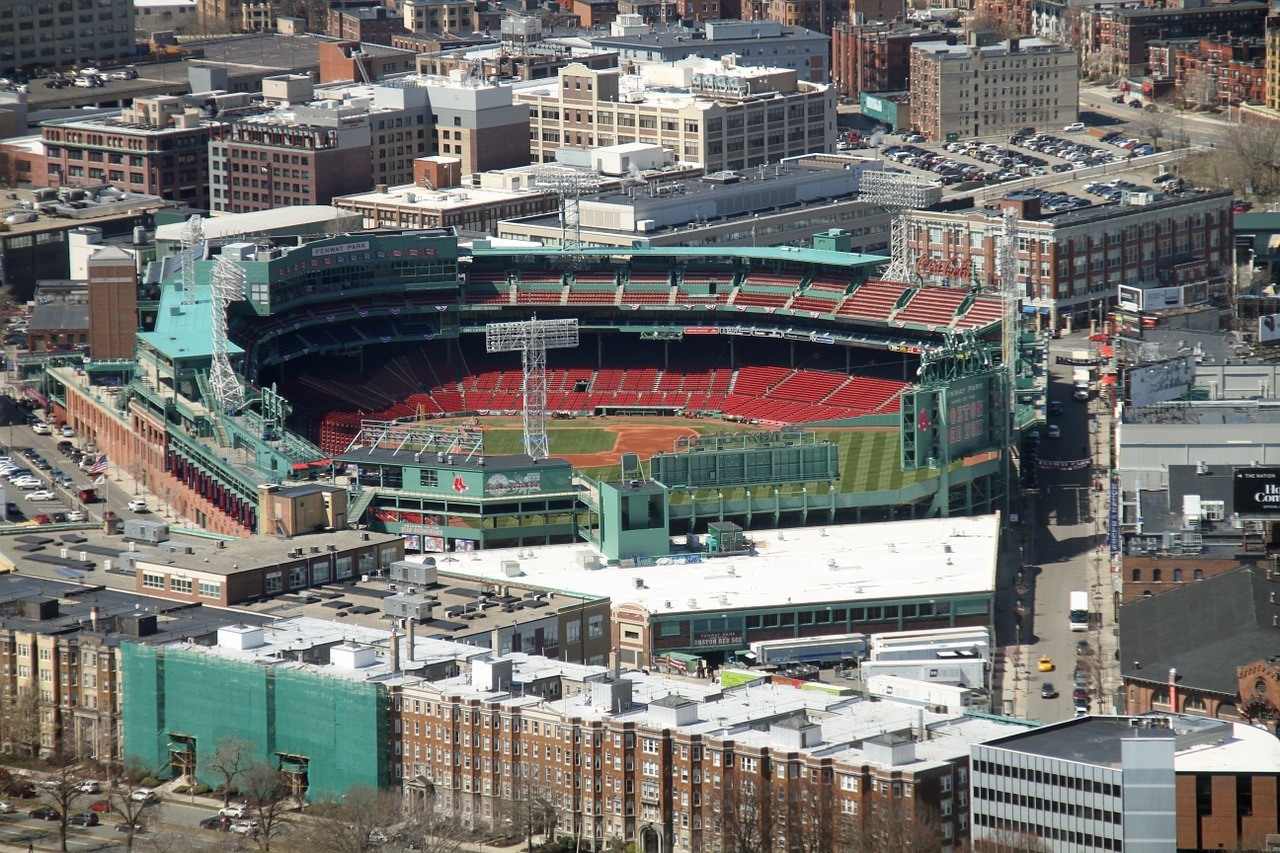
93 617
1173 689
395 652
412 630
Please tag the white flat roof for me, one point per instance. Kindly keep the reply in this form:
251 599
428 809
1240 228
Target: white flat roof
443 199
793 566
230 225
1249 750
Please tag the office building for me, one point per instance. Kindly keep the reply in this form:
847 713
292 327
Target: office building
1071 262
764 43
992 89
719 114
57 35
158 146
1153 782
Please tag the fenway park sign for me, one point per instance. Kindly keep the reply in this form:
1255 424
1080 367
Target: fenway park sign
953 267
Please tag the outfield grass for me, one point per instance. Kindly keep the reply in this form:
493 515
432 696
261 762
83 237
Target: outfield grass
563 441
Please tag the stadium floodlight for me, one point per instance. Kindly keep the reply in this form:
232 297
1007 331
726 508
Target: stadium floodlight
228 287
192 251
569 185
897 193
532 338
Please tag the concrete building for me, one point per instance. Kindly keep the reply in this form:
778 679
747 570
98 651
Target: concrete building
1135 783
719 114
992 89
152 16
765 43
1115 38
678 764
522 54
480 123
876 57
158 146
781 204
1070 264
49 35
715 607
437 17
298 153
60 646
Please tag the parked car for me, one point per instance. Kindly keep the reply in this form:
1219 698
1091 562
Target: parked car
42 518
100 806
1074 127
124 826
137 505
245 827
76 516
41 428
45 813
83 819
145 795
67 431
218 822
41 495
235 810
7 807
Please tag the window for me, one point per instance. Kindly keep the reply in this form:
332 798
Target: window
275 582
152 581
209 589
182 585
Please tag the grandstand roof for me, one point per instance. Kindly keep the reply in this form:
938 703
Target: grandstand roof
796 566
762 253
182 331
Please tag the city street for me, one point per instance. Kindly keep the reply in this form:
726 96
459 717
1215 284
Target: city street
1062 555
1201 130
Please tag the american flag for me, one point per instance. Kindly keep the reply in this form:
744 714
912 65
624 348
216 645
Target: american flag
99 467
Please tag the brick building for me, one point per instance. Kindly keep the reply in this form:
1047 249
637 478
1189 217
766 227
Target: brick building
1143 577
113 304
1233 69
1070 263
680 765
1116 39
876 57
158 146
982 89
340 61
1205 648
372 24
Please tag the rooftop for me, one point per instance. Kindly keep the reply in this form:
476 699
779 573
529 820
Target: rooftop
1204 630
959 51
838 563
704 253
182 329
451 198
254 552
262 221
715 32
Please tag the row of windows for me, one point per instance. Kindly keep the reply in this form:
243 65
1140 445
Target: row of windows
1049 806
1025 774
1049 833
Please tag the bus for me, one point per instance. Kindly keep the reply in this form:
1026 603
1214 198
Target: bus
1079 610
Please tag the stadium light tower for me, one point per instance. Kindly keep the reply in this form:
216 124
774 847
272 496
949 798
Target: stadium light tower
228 287
898 193
569 186
192 251
532 338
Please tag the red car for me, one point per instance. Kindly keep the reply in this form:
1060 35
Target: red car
1099 338
42 518
100 806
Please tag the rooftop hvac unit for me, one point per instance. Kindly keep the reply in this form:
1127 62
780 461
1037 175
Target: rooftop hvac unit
511 568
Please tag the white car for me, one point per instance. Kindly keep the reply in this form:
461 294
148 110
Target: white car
41 428
145 795
7 807
89 786
27 485
77 515
137 505
67 432
245 827
235 810
1074 127
41 495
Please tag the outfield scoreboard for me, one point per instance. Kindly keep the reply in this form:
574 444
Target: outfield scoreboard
953 420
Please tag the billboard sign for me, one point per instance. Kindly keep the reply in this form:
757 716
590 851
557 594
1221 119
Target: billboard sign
972 410
1162 381
1257 491
1269 328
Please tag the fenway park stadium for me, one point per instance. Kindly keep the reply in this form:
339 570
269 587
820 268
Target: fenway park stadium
489 395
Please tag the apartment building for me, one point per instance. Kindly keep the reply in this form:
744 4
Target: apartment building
158 146
765 43
1152 782
719 114
876 57
372 24
981 89
59 33
60 654
1212 70
1273 62
1115 39
681 765
437 17
1070 263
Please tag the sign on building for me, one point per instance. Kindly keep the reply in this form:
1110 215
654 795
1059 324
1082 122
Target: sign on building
1162 381
1257 491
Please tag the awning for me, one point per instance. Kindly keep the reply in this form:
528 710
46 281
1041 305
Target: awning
321 463
1044 312
1028 309
299 466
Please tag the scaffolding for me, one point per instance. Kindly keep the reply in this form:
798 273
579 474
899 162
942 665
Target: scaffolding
413 437
532 339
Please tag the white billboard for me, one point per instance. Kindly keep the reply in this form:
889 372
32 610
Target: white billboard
1268 328
1162 381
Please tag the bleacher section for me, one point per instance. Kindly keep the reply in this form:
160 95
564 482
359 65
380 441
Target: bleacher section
934 307
873 300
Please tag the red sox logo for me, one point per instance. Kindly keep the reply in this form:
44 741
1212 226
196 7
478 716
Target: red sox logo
458 485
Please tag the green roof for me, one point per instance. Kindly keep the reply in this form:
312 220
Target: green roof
765 253
185 331
1257 222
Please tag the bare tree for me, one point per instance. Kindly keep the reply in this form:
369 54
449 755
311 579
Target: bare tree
1155 124
353 822
1002 27
530 810
893 825
265 791
1008 841
228 761
20 718
1253 159
131 811
747 825
64 789
435 830
1200 88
